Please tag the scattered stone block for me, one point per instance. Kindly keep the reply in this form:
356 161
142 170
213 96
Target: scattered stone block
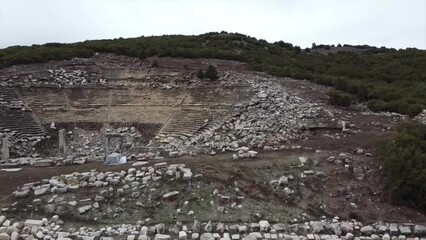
22 193
84 209
41 191
170 195
33 222
162 237
206 236
43 163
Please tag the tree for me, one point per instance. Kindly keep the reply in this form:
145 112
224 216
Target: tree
404 160
200 73
211 73
339 99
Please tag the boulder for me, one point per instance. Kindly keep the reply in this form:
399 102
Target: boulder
207 236
283 181
98 184
393 229
84 209
208 227
264 226
195 236
170 195
159 236
4 236
139 163
236 237
279 227
43 163
317 227
367 230
254 227
220 228
61 190
252 154
255 235
144 230
41 191
386 237
404 230
420 230
23 193
346 227
160 228
187 175
14 236
350 236
182 235
174 154
33 222
375 237
242 229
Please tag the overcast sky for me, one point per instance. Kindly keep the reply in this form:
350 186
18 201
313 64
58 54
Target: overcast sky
391 23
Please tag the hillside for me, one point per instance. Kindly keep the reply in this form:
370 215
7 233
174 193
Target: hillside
387 79
109 146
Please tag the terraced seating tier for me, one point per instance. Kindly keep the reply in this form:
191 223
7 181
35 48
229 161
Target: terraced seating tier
186 122
9 98
40 98
22 122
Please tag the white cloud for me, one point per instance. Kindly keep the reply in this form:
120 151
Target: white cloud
391 23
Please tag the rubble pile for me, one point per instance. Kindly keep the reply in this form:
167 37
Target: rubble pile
48 194
23 146
270 120
421 117
263 229
61 74
48 162
106 195
69 78
92 142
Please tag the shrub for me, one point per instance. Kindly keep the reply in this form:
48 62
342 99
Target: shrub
200 74
414 109
340 83
339 98
211 73
377 105
404 159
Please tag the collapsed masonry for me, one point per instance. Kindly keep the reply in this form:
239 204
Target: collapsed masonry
269 119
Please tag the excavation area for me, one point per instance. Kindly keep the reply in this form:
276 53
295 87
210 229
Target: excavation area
117 147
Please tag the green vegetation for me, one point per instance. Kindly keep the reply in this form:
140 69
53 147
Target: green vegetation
404 159
211 73
388 79
339 99
200 74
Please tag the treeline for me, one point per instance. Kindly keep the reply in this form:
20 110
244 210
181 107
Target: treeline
404 159
388 79
40 54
